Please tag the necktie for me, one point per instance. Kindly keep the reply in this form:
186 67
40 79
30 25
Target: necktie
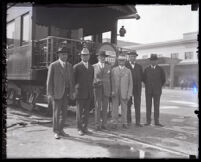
86 65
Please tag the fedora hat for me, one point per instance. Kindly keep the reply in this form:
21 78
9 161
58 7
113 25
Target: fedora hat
121 57
62 50
102 53
84 51
153 57
133 53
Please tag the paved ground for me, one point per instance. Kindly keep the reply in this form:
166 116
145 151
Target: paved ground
178 139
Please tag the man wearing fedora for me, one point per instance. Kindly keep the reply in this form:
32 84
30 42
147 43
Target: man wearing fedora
137 74
83 78
102 90
154 79
122 87
60 88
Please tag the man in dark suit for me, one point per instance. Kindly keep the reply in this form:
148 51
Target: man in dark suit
137 75
60 88
102 90
83 78
154 79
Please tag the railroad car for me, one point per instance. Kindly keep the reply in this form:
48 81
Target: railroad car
34 33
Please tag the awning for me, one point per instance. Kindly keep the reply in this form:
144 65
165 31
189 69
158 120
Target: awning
92 18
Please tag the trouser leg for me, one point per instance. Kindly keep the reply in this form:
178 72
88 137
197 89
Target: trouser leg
97 110
148 107
129 115
79 113
156 108
124 111
86 113
56 114
104 110
137 104
115 108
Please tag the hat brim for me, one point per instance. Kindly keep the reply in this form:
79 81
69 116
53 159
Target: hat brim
133 54
103 55
58 52
84 54
153 59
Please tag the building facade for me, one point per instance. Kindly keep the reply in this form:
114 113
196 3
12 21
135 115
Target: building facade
185 70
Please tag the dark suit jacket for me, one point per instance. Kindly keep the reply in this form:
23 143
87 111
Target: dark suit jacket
137 75
154 79
83 79
56 79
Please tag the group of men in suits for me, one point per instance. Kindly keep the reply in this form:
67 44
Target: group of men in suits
99 83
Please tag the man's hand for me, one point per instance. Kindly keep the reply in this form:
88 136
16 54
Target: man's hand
50 97
73 96
113 94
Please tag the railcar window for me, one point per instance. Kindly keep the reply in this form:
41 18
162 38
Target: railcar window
25 29
10 34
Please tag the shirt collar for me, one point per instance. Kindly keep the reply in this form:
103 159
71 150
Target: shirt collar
132 63
121 67
85 63
61 62
153 66
101 64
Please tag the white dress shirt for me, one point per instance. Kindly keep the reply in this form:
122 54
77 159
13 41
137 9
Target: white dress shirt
133 65
102 65
62 63
121 67
153 66
85 64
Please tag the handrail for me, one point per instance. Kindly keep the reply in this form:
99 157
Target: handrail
75 40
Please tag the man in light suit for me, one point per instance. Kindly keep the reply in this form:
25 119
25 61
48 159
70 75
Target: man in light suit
83 78
60 88
137 74
154 79
102 90
122 88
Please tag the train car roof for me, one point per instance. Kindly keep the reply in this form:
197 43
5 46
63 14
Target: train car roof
94 18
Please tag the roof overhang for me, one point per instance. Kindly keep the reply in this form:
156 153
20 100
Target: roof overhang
93 18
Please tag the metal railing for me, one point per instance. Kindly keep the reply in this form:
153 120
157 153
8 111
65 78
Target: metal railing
45 49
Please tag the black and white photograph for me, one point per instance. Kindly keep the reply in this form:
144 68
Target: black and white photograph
99 80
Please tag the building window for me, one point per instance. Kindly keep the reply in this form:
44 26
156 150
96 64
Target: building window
10 34
25 29
188 55
160 55
144 56
174 55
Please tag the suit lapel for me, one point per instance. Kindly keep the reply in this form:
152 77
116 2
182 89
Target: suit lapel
105 69
60 68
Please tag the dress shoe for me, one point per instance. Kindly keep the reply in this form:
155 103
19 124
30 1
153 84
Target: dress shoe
98 128
86 131
138 125
103 127
114 127
56 136
125 126
129 124
160 125
62 133
147 124
81 133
